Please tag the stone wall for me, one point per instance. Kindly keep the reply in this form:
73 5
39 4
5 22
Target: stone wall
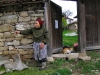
11 43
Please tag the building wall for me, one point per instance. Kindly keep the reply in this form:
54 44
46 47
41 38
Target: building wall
11 43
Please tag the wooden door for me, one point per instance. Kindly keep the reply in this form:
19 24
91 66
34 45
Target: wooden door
56 21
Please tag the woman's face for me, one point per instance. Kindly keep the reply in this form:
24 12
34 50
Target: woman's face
37 25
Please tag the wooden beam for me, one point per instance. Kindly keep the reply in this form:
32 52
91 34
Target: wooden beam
25 47
10 4
48 26
81 27
93 48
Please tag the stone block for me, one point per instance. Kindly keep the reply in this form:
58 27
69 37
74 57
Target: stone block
11 17
32 22
23 52
30 51
3 18
25 41
40 11
33 18
50 59
23 14
69 56
27 56
12 35
5 52
1 44
59 56
6 28
1 14
24 19
1 21
11 48
29 36
11 52
18 36
9 43
15 13
7 34
11 20
9 39
0 52
3 48
24 47
1 29
2 40
16 43
37 15
84 58
31 12
19 49
1 35
72 56
22 26
8 13
42 19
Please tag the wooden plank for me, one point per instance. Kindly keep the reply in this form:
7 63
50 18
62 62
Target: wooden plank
69 56
57 50
24 47
48 26
56 14
81 27
93 48
10 4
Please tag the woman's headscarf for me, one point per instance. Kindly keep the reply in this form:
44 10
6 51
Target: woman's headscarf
40 21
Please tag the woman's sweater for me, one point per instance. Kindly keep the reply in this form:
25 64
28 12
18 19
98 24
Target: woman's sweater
39 34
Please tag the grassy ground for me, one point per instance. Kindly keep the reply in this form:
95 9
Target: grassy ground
69 40
63 66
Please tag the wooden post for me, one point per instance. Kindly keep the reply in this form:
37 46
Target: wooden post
81 27
48 26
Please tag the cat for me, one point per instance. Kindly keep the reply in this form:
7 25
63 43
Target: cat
67 50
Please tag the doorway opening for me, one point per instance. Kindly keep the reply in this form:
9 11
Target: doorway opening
69 24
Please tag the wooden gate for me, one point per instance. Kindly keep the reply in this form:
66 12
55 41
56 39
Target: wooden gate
92 18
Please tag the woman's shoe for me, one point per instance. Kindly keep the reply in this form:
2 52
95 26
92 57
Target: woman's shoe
43 66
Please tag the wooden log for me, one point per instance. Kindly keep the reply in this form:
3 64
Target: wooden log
24 47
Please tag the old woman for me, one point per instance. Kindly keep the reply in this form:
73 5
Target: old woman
40 39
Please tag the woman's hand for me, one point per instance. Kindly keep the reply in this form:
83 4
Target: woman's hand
42 45
17 32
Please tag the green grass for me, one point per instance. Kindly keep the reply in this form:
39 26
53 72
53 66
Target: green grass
62 71
51 69
69 40
65 67
91 67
